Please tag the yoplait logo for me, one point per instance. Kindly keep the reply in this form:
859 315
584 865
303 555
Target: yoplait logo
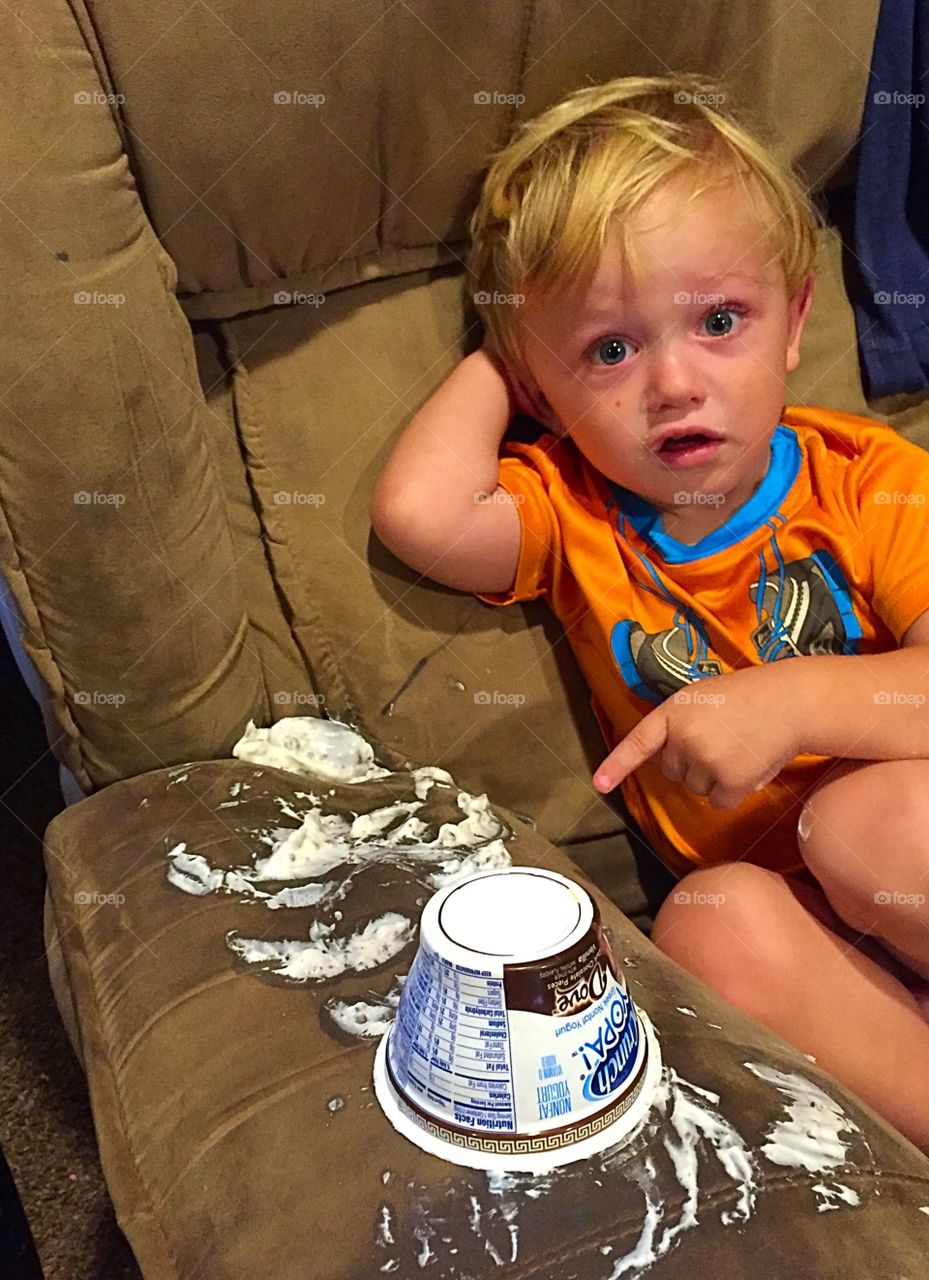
609 1056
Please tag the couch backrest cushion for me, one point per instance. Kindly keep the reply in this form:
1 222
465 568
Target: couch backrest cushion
314 145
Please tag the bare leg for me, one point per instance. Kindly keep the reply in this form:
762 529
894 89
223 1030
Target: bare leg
765 953
863 835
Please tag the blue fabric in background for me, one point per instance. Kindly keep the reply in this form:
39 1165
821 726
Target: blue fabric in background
890 236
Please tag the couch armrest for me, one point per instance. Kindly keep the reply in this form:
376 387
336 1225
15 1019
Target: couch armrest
239 1132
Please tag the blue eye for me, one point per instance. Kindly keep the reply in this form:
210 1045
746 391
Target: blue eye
723 314
615 347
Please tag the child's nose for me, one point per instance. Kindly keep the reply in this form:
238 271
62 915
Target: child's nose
673 379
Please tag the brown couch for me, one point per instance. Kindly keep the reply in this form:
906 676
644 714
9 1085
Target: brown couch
233 239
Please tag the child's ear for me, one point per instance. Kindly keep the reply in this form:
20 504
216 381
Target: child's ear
799 309
527 398
537 406
543 412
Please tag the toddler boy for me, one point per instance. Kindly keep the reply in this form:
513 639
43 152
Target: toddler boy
644 268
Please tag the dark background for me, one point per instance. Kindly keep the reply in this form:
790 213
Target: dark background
46 1130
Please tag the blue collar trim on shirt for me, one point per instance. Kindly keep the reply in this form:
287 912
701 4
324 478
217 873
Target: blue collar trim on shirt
783 469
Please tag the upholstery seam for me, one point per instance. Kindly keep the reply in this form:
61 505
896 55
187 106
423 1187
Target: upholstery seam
243 399
713 1199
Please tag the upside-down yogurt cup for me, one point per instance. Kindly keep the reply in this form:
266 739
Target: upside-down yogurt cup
516 1044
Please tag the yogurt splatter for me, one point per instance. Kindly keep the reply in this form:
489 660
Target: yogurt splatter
301 857
685 1131
504 1185
490 858
839 1192
366 1018
182 772
809 1137
194 874
324 841
322 956
334 749
690 1126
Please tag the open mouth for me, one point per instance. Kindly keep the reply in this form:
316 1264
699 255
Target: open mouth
691 450
679 443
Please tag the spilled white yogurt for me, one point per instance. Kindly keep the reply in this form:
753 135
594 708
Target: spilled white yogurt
302 858
301 744
323 956
810 1136
493 1219
684 1137
325 841
365 1018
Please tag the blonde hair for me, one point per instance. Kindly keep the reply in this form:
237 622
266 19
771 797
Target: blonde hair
577 172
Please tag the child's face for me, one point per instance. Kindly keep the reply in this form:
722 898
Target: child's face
704 338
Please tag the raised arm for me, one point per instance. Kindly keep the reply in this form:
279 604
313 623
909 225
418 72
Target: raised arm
437 504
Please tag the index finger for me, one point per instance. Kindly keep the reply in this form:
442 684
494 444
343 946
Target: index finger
639 745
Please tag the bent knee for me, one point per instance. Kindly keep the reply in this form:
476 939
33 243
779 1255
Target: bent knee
860 847
720 924
705 896
851 805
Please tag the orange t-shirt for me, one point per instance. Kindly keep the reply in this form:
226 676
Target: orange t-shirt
829 555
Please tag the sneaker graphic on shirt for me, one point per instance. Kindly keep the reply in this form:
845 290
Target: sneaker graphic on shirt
656 665
804 608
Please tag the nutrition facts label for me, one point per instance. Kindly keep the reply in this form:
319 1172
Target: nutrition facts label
453 1043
